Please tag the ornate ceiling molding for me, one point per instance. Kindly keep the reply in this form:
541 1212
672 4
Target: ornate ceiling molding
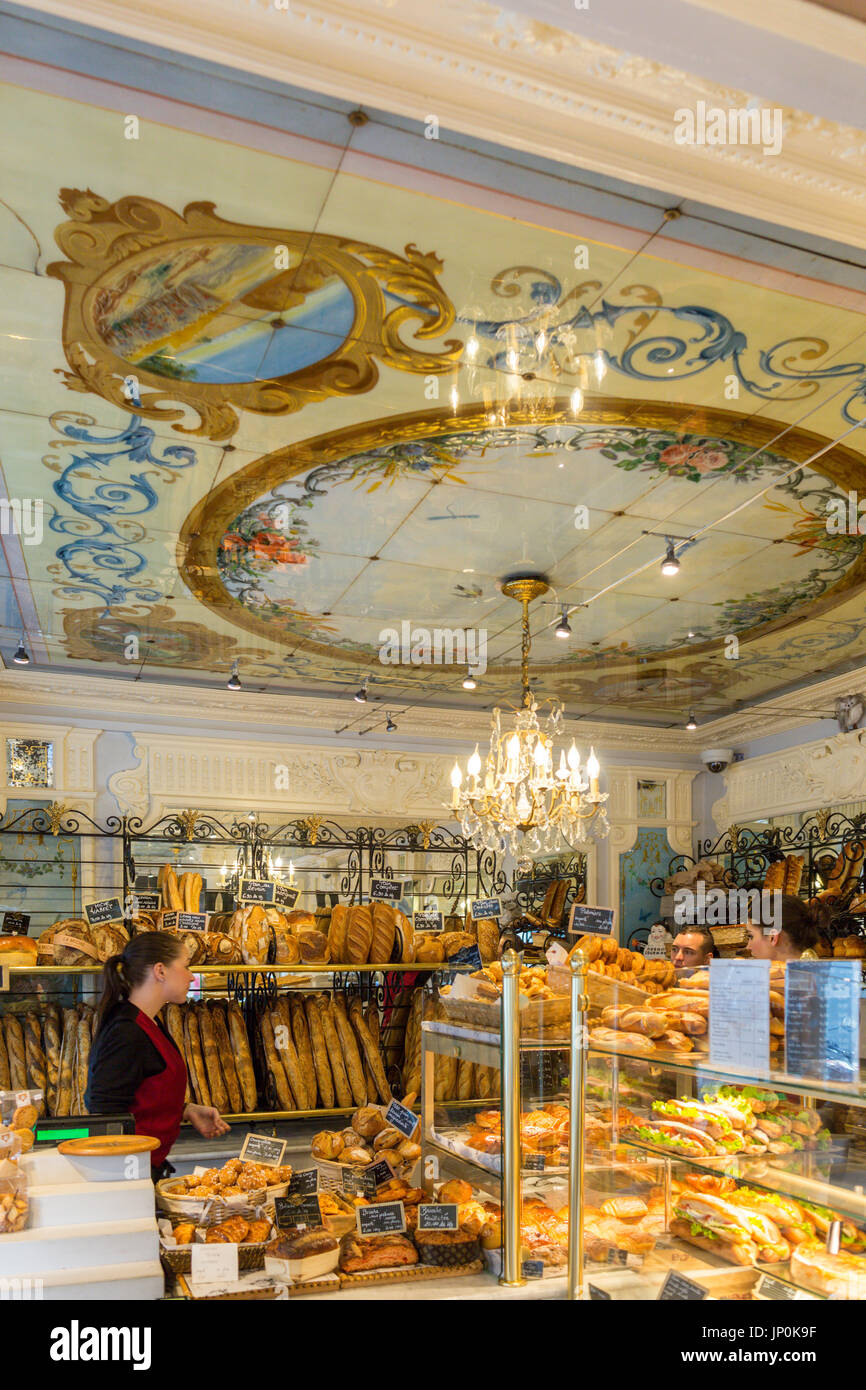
527 85
826 772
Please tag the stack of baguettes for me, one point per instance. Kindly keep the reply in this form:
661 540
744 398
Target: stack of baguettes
454 1079
48 1050
320 1052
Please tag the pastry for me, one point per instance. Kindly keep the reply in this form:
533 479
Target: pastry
458 1247
335 1055
324 1079
384 931
359 936
259 1231
242 1056
349 1047
216 1084
360 1253
184 1232
232 1231
454 1191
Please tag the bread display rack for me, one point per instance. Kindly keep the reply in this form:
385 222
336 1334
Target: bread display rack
47 1010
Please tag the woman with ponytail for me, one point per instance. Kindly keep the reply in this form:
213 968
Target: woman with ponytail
134 1065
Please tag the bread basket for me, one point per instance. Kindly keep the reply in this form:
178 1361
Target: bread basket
170 1200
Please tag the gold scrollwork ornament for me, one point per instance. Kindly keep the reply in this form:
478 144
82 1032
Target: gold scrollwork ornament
151 294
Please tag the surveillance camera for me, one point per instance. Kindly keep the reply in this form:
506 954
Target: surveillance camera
717 759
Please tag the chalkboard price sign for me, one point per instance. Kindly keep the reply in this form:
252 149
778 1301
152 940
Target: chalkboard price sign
467 955
597 921
284 896
437 1216
379 1173
428 921
15 924
256 890
385 890
105 910
381 1219
184 921
304 1183
677 1286
486 908
258 1148
297 1210
146 902
357 1184
402 1118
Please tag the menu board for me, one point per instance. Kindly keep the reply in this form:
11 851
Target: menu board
297 1210
285 895
256 890
402 1118
740 1014
381 1219
437 1216
822 1019
15 924
105 910
304 1183
258 1148
427 921
598 921
486 908
185 921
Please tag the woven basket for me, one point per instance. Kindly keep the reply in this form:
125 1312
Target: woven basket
178 1258
168 1200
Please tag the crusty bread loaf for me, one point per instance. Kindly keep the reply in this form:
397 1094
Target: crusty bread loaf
359 936
384 929
215 1080
324 1077
337 933
351 1051
174 1024
242 1055
34 1059
227 1058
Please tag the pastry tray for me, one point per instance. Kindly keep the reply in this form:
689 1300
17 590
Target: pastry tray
492 1163
409 1274
262 1289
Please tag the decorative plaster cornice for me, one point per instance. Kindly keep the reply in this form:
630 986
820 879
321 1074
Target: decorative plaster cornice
826 772
524 84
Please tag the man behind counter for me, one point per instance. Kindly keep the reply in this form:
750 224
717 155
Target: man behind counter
692 946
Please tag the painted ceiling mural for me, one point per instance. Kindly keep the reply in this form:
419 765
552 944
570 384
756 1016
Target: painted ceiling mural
272 411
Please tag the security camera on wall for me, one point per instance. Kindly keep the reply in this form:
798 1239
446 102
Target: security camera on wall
717 759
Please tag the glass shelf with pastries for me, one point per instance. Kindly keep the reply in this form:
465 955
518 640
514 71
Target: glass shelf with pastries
766 1176
513 1046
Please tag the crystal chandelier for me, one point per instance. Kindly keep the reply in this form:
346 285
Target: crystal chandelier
524 802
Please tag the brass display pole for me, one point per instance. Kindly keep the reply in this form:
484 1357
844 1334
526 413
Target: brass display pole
510 1092
576 1101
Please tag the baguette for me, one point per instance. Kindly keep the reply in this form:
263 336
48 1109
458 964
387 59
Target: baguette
285 1099
194 1058
445 1070
335 1055
281 1022
216 1083
67 1060
324 1079
5 1080
304 1049
465 1079
243 1056
82 1060
34 1058
51 1041
371 1051
351 1052
227 1060
175 901
174 1024
15 1050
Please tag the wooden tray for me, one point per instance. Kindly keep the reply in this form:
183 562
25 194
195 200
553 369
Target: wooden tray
245 1295
410 1274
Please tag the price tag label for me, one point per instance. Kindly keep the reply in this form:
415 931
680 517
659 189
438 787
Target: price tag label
428 921
402 1118
768 1287
256 890
597 921
146 902
532 1269
379 1173
381 1219
486 908
437 1216
677 1286
105 910
467 955
356 1184
213 1264
258 1148
596 1293
15 924
385 890
185 921
533 1163
305 1183
296 1210
556 954
285 896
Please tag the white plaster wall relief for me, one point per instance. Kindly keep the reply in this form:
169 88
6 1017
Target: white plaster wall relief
823 772
130 787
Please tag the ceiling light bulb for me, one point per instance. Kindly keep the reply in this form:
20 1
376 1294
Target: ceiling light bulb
456 776
234 682
573 757
576 401
22 656
540 754
541 341
670 564
524 806
390 727
692 722
512 748
360 696
562 628
473 767
592 765
469 681
278 862
455 398
472 346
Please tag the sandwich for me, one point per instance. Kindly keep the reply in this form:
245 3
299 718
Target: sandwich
703 1116
676 1138
745 1234
788 1215
842 1275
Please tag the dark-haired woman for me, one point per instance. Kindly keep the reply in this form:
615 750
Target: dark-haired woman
134 1065
793 937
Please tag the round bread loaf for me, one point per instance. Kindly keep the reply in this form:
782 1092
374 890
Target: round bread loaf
298 920
109 938
313 947
73 944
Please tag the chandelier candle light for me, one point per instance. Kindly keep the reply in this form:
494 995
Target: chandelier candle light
521 803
